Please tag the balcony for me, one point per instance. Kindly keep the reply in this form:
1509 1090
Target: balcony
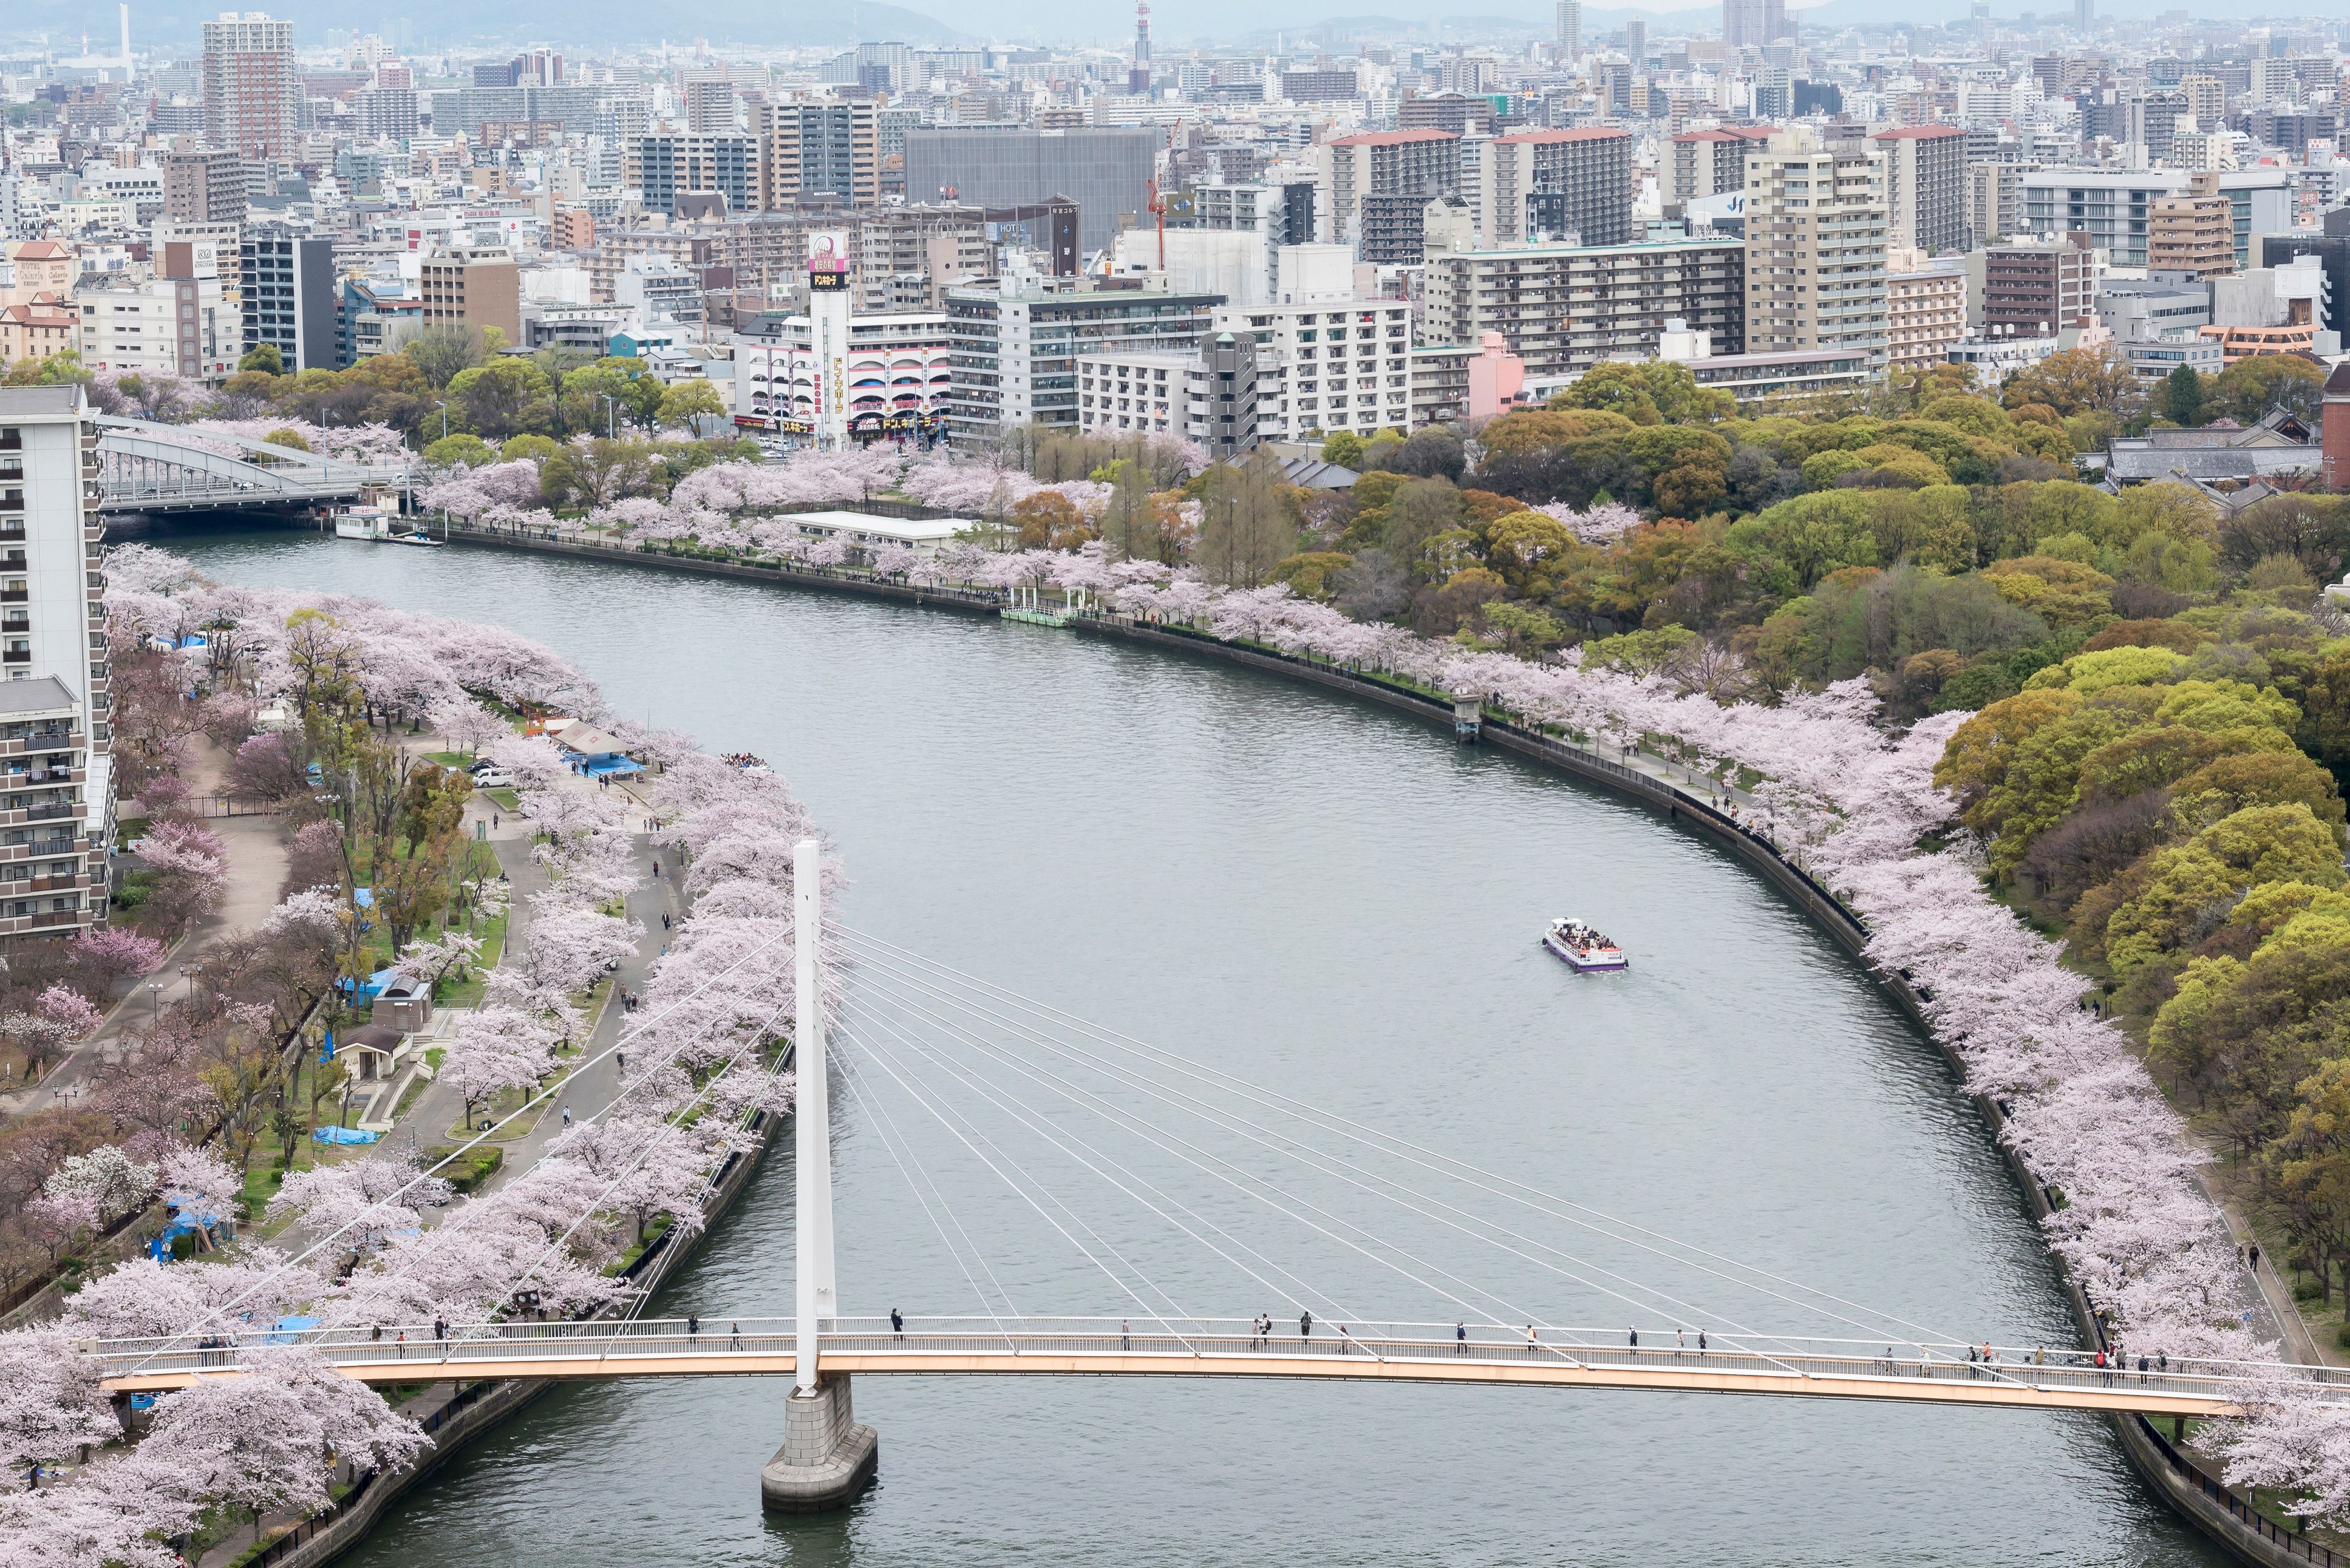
57 918
54 813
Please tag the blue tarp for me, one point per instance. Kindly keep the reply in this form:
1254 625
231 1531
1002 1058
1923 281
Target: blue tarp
609 767
342 1134
369 989
282 1330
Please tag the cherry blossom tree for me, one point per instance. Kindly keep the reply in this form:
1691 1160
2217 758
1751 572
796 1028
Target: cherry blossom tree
50 1400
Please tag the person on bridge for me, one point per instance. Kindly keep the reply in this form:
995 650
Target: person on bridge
692 1324
1125 1335
1461 1338
1532 1339
1304 1326
1632 1338
440 1328
734 1337
1701 1345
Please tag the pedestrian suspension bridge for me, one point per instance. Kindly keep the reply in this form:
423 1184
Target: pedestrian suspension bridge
1089 1130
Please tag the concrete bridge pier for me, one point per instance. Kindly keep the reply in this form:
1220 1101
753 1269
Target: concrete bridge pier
826 1458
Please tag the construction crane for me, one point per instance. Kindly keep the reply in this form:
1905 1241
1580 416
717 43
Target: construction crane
1157 206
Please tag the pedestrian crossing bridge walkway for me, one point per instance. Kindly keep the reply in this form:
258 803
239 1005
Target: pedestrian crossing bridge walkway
2025 1379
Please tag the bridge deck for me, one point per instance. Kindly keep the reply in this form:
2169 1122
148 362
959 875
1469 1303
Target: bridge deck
1419 1354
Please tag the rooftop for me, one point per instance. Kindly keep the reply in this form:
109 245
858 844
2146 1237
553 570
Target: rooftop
1391 138
46 694
1918 134
1583 134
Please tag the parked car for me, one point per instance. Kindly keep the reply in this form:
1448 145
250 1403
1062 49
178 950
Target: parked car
493 778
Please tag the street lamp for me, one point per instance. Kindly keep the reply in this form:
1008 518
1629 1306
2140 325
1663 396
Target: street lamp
155 994
444 418
610 429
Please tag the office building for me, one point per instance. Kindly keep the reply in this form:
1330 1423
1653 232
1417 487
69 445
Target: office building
1564 308
175 322
1926 186
2330 245
1572 185
1815 239
1105 171
290 298
55 703
1017 340
203 185
252 93
1418 164
472 286
667 165
819 147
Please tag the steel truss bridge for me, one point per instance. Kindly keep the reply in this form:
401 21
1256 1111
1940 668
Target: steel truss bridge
148 467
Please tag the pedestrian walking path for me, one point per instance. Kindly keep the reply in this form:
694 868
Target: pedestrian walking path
255 868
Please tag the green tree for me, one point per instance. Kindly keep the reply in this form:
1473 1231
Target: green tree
688 400
264 357
1650 392
503 398
1248 522
2182 396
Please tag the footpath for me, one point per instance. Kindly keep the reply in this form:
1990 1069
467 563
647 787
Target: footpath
429 1120
255 868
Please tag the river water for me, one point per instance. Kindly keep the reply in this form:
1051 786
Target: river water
1338 905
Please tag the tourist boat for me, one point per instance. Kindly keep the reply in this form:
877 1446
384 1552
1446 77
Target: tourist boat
1582 947
417 537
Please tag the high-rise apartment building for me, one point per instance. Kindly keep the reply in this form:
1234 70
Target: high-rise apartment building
1421 164
1564 308
1573 185
1701 163
2035 290
290 298
1815 242
472 285
2194 232
203 185
1926 186
252 94
54 705
1995 201
668 164
1925 307
818 146
1752 24
710 103
1017 341
1570 29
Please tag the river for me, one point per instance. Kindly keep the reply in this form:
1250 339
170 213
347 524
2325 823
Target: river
1339 905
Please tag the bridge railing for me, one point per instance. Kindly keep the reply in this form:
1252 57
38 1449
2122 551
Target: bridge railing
495 1346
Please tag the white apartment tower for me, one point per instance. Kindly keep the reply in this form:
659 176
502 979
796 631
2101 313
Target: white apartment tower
56 814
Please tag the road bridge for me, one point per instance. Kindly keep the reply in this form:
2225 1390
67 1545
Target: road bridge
149 467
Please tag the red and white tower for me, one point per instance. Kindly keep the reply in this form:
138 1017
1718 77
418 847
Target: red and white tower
1138 80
